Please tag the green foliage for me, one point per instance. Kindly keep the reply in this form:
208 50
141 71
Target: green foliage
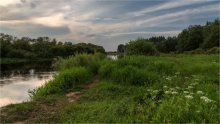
190 39
195 39
121 48
42 47
80 60
214 50
211 34
63 82
140 47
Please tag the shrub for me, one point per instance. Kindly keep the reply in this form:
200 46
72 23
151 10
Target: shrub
81 60
140 47
124 71
214 50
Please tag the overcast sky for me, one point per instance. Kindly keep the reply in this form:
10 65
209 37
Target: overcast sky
103 22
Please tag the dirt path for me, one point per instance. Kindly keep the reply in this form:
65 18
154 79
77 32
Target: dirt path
50 110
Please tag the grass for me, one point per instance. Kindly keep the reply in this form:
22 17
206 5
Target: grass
65 81
134 89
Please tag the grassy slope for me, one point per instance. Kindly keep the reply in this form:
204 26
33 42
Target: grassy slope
127 99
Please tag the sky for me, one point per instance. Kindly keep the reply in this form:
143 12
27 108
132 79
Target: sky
103 22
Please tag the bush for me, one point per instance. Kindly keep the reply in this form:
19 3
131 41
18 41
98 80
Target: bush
63 82
214 50
127 71
140 47
81 60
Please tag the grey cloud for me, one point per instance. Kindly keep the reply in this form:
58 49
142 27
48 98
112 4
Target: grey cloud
35 30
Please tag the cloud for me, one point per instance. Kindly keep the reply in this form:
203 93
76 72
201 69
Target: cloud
92 21
8 2
162 33
168 5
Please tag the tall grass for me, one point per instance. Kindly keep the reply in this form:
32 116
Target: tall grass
89 61
73 71
63 82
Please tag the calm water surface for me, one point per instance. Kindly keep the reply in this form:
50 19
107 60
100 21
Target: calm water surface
15 82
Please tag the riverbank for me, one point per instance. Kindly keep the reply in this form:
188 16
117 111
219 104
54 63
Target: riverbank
7 61
134 89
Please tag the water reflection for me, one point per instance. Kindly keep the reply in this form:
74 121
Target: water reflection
113 57
17 79
14 89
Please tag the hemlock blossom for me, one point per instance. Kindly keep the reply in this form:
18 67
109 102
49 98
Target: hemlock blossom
174 93
186 92
190 87
165 86
199 92
194 84
167 92
206 99
168 78
178 88
189 97
155 91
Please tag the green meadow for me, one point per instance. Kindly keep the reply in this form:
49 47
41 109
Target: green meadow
133 89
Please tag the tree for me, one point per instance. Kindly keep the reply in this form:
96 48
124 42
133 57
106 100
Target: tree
190 39
140 47
211 34
121 48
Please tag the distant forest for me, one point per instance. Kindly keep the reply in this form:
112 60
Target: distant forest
42 47
195 37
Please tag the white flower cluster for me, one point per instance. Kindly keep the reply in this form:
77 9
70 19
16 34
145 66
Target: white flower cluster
189 97
206 99
200 92
177 73
168 78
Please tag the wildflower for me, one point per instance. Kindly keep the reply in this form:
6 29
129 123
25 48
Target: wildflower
189 97
177 73
149 90
194 84
165 86
178 88
198 111
199 92
155 91
190 87
206 99
172 89
191 93
167 92
186 92
174 93
196 79
168 78
186 77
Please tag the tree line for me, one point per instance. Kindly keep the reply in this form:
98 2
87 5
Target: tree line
42 47
195 37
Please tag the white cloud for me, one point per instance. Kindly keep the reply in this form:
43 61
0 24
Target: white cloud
8 2
165 33
167 5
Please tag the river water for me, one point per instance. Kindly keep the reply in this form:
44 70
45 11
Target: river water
17 80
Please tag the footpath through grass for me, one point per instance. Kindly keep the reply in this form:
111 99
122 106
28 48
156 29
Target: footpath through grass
181 88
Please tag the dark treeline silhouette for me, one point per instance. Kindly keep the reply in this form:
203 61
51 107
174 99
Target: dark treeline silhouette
42 47
195 37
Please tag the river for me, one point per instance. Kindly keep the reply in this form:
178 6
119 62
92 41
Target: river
17 80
